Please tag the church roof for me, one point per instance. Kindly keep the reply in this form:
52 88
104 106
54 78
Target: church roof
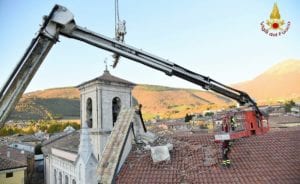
107 77
69 142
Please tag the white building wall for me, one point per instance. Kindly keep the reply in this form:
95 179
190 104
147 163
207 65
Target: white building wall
89 92
102 96
103 140
86 172
66 168
108 94
46 170
23 146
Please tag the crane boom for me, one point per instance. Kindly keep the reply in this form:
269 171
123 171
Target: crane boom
61 22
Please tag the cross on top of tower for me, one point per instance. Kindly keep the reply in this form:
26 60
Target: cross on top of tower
105 62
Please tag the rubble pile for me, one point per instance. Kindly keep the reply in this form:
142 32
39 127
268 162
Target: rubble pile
210 155
162 140
204 152
160 153
159 146
168 145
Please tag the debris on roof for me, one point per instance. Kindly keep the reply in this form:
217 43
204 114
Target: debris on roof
210 156
148 137
270 158
160 153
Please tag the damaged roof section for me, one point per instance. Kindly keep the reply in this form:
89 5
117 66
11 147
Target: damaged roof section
270 158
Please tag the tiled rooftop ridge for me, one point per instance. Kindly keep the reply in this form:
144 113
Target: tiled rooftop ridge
6 164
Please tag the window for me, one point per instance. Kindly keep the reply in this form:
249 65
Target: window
9 175
55 177
73 181
66 179
89 112
116 107
79 172
60 178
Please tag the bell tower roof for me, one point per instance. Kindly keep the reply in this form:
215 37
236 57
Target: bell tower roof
106 77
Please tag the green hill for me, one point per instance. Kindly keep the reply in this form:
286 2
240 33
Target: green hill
52 108
166 102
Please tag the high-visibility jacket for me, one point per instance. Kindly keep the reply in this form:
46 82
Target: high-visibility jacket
233 122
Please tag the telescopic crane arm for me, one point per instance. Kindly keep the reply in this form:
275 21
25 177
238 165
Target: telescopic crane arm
61 22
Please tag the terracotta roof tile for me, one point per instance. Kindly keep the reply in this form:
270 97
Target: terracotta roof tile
10 164
270 158
15 154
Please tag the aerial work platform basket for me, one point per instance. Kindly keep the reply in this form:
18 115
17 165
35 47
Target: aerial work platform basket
235 125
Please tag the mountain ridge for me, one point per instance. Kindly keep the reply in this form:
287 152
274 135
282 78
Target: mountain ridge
278 83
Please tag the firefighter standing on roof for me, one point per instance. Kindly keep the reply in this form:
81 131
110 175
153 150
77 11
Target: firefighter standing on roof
225 148
225 144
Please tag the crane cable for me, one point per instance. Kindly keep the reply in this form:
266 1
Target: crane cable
117 17
120 31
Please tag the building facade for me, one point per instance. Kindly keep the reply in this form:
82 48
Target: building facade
101 100
12 172
73 159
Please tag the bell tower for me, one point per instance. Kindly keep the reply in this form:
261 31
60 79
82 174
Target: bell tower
101 100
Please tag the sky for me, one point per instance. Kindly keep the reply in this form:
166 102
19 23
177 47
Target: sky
219 39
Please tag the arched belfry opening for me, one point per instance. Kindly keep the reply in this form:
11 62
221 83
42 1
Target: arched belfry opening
102 100
116 107
89 112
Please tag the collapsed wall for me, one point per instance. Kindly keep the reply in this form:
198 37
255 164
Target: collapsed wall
127 129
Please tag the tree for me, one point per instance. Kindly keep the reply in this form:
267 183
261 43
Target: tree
75 125
5 131
288 105
55 127
38 149
203 126
43 127
209 114
30 131
188 118
232 106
